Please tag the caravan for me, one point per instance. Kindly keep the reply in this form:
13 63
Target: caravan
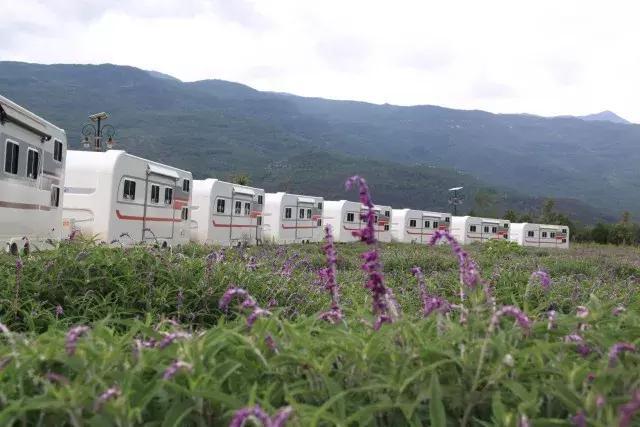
292 218
469 229
414 226
33 153
540 235
344 217
226 214
382 222
120 197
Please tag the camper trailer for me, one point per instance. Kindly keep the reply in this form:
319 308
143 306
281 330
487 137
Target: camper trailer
540 235
414 226
292 218
469 229
33 153
122 198
344 217
382 222
226 214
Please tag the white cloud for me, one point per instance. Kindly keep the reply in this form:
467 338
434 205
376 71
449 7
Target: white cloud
543 57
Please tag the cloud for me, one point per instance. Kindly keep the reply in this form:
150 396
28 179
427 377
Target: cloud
544 57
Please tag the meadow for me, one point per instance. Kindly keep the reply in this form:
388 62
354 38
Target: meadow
114 336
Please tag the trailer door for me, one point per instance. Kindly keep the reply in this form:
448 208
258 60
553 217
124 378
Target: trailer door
304 220
243 223
159 215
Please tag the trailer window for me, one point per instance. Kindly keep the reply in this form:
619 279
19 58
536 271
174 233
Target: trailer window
506 225
185 214
168 196
11 158
486 228
435 224
57 150
544 234
186 185
129 191
552 234
564 231
494 230
387 213
247 208
319 206
301 214
155 194
55 196
259 199
287 213
319 223
309 213
447 219
220 205
375 219
412 223
351 217
472 228
564 240
386 227
259 220
427 224
531 233
33 162
238 208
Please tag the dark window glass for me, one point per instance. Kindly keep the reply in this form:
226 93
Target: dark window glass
55 196
11 158
57 150
259 220
351 217
320 206
530 233
238 208
129 192
287 213
435 224
220 204
301 214
33 162
412 223
247 208
386 227
168 196
472 228
260 199
185 213
486 229
155 194
186 185
427 224
494 229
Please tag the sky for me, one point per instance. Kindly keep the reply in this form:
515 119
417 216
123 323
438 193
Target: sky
541 57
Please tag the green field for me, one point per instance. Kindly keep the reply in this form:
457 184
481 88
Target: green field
415 371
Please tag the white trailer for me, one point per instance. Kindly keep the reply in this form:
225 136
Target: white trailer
292 218
118 197
469 229
540 235
226 214
414 226
344 217
382 222
33 153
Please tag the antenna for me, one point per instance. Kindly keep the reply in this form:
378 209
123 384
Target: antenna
455 199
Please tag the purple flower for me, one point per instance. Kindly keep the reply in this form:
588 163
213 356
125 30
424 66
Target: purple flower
618 310
523 421
271 344
109 394
583 349
618 348
328 275
272 303
257 312
256 412
629 409
511 311
56 378
252 265
228 296
600 401
59 311
582 312
73 335
372 266
543 277
171 337
173 369
579 420
430 303
468 269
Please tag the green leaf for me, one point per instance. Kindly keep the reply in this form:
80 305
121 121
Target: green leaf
177 412
436 407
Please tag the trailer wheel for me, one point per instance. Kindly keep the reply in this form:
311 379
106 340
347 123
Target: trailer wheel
13 249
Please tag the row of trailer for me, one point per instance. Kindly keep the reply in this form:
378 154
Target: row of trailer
48 193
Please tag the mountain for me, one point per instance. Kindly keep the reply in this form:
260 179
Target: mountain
411 155
605 116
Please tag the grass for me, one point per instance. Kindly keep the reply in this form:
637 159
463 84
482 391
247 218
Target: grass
415 371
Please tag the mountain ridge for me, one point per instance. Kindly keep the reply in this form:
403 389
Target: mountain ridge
226 128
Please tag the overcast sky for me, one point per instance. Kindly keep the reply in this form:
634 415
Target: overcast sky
542 57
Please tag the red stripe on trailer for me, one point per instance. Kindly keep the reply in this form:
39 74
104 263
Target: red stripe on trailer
350 229
289 227
139 218
215 224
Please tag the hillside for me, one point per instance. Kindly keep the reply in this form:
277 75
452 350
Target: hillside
607 116
413 154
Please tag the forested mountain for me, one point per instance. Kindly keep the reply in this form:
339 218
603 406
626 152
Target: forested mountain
410 154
